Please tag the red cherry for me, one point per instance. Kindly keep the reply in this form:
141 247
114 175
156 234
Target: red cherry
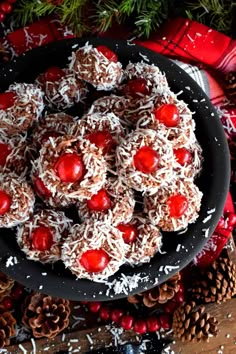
7 303
12 1
100 201
168 114
165 321
126 322
94 306
70 168
129 232
183 156
2 16
48 135
5 150
116 314
6 7
178 204
5 202
140 326
135 87
17 292
7 100
40 188
153 324
83 302
109 54
170 307
105 313
146 160
231 219
102 139
53 74
94 261
42 239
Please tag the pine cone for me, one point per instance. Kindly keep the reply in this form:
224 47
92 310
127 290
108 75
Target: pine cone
217 283
231 86
46 315
6 285
192 323
160 294
7 328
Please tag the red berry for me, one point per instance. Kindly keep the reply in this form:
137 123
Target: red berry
129 232
17 292
181 289
7 303
179 298
102 139
104 313
146 160
116 314
94 261
42 239
83 302
178 204
6 7
135 87
231 219
5 202
5 150
153 324
168 114
7 100
140 326
170 307
40 188
100 201
94 306
109 54
126 322
53 74
183 156
48 135
165 321
70 168
2 16
12 1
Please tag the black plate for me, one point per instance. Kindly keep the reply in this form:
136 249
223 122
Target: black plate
214 182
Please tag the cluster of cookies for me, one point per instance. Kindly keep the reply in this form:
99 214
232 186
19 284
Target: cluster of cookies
127 165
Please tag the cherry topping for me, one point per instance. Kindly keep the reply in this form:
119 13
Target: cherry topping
94 261
129 232
102 139
140 326
42 239
6 7
70 168
53 74
135 87
178 204
105 313
116 314
168 114
41 189
50 134
5 150
153 324
100 201
126 322
183 156
5 202
146 160
109 54
7 100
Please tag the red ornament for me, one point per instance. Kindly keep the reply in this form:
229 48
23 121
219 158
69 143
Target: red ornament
168 114
178 204
7 303
53 74
7 100
94 306
2 16
70 168
5 150
126 322
5 202
94 261
135 87
109 54
116 314
40 188
6 7
102 139
42 239
100 201
105 313
129 232
140 326
153 324
183 156
146 160
165 321
17 292
48 135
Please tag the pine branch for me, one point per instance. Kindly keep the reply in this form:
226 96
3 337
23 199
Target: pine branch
71 13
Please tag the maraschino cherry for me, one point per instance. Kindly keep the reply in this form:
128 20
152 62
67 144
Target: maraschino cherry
7 100
140 326
42 239
102 139
94 306
94 261
41 189
126 322
153 324
5 202
100 201
183 156
135 87
109 54
178 204
146 160
53 74
5 150
168 114
70 168
129 232
105 313
116 314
